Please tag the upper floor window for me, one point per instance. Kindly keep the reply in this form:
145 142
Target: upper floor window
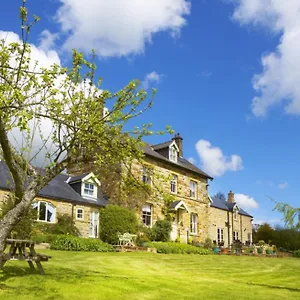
46 212
89 189
146 177
235 214
147 214
193 189
173 154
174 184
194 221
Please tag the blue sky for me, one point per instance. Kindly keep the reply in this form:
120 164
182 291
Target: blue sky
226 74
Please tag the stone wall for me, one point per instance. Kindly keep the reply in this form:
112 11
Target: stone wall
219 218
161 180
68 209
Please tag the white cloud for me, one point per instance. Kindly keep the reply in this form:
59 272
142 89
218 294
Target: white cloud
152 77
214 162
283 185
245 201
47 40
45 58
118 27
192 160
279 81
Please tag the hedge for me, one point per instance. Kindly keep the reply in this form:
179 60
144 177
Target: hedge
177 248
72 243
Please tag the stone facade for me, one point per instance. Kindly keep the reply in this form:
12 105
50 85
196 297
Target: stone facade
226 226
63 207
162 173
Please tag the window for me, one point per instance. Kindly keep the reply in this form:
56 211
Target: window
79 214
174 184
220 235
193 189
88 189
249 237
173 154
235 213
194 221
147 214
235 236
146 175
45 211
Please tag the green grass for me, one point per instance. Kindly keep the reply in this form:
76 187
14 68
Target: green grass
82 275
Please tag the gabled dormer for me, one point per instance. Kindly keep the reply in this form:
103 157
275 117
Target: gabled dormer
87 185
173 152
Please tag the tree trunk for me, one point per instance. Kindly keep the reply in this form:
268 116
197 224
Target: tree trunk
13 217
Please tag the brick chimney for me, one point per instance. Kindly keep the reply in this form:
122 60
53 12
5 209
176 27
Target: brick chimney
178 140
231 197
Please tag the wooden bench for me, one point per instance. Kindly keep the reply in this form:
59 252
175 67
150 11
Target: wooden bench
23 250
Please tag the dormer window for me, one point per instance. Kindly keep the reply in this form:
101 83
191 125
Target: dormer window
89 189
173 154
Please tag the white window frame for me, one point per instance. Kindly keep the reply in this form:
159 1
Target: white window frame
147 210
173 155
146 176
92 194
173 185
220 235
235 236
193 223
193 189
82 213
48 207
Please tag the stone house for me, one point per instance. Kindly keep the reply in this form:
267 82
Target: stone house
228 222
195 215
187 186
77 196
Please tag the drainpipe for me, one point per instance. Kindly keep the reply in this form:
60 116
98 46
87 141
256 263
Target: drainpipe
228 228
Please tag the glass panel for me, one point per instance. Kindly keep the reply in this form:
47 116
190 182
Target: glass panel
42 211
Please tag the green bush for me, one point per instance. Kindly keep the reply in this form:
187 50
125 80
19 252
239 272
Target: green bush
42 238
114 219
65 225
72 243
160 231
296 253
177 248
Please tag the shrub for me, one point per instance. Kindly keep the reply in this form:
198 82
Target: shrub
72 243
296 253
177 248
65 225
208 244
160 231
42 238
114 219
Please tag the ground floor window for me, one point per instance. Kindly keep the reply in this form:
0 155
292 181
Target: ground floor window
147 214
249 237
79 213
220 235
194 221
235 236
45 211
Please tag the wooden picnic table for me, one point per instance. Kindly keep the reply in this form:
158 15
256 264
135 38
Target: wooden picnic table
22 250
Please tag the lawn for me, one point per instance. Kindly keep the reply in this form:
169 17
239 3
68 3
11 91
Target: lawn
81 275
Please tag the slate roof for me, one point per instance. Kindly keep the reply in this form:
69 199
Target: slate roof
223 204
174 204
56 189
182 162
77 178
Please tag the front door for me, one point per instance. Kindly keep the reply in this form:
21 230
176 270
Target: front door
178 229
94 224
